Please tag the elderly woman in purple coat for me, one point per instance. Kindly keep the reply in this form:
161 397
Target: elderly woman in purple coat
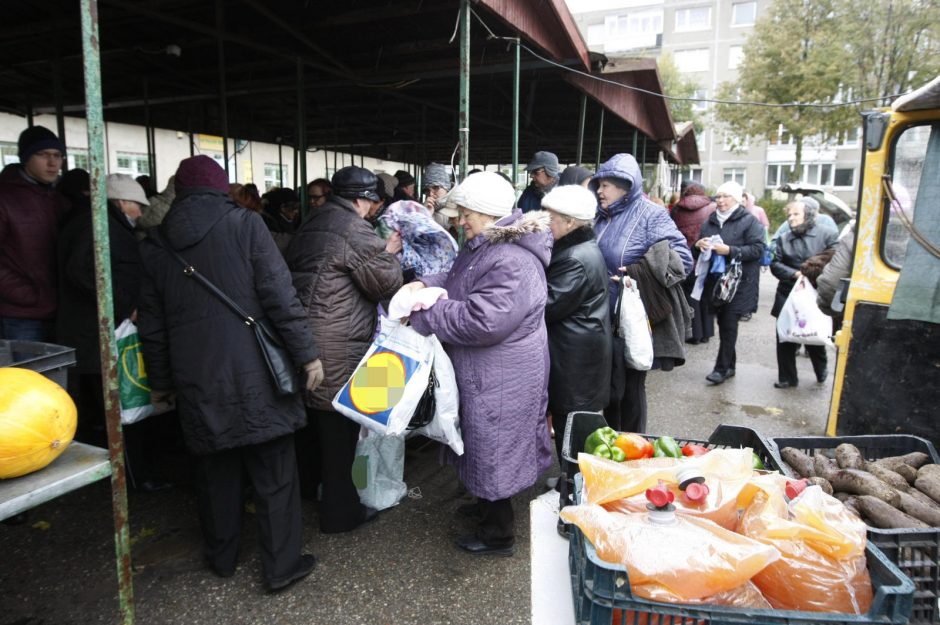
493 327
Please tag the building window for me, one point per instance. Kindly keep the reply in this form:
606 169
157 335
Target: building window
783 137
698 18
850 137
734 143
133 164
777 174
818 173
845 178
692 60
9 153
271 179
735 174
743 13
735 56
700 94
639 29
78 159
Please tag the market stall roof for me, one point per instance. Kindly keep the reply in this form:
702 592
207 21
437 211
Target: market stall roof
686 145
380 78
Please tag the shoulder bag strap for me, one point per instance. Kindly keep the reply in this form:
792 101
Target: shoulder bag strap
190 271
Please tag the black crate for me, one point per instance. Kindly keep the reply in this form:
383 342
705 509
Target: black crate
599 587
915 551
50 360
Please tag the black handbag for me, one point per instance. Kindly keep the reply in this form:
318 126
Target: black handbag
727 285
276 357
424 412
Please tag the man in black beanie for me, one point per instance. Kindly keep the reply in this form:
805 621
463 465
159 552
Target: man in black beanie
30 209
406 186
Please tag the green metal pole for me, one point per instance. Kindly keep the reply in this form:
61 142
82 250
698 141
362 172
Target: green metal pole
515 119
634 143
95 119
223 100
600 140
644 149
302 138
464 115
581 118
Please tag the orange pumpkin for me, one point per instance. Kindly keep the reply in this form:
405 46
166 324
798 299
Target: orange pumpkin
37 421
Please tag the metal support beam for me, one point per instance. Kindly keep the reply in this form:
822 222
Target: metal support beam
600 140
463 127
635 146
644 150
223 104
148 131
59 113
302 137
96 153
515 119
280 164
581 118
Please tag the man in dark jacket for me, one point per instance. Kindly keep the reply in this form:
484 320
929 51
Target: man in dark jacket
341 269
232 417
544 170
30 209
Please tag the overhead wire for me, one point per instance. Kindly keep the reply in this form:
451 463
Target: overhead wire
832 105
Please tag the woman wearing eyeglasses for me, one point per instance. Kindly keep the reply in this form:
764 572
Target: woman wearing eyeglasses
742 239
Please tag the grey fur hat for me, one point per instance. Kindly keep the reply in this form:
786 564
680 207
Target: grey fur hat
437 175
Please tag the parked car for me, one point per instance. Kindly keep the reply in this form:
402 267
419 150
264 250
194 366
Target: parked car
828 203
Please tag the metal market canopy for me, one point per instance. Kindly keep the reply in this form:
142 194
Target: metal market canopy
377 77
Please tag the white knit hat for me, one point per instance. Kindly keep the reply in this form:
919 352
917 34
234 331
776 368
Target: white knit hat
733 189
485 192
571 200
123 187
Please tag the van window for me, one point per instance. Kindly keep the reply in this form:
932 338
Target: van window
910 152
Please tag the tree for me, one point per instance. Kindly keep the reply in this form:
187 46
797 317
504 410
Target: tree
894 44
792 56
677 84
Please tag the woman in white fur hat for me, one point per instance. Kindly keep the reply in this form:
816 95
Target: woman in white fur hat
576 314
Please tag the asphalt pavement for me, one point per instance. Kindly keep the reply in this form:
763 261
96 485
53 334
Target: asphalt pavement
58 567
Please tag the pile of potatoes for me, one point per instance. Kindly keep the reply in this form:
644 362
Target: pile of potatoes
890 493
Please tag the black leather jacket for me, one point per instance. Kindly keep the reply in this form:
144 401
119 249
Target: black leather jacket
790 252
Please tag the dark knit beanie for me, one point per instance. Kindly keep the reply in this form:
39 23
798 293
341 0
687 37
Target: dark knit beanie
35 139
200 171
404 178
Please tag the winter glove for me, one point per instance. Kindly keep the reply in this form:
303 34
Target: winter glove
314 370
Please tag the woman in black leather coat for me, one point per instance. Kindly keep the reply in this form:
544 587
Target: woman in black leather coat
577 312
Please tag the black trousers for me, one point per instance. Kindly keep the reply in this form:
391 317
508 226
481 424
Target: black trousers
628 413
703 322
272 469
786 361
497 523
339 509
728 337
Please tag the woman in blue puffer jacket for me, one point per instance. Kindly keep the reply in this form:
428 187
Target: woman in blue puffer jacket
626 226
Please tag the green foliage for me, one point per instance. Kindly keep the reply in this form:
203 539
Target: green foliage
677 84
774 209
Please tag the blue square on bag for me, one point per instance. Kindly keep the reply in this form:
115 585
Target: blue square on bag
378 384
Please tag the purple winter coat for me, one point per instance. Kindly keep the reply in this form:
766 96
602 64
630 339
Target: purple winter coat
629 227
493 327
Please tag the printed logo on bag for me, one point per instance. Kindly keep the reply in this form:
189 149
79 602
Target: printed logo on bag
132 377
377 386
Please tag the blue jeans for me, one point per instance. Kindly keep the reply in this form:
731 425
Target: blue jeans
13 329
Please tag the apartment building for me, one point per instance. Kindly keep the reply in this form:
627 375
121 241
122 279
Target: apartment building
706 40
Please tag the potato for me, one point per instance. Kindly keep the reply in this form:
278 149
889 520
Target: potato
929 485
919 510
929 469
849 457
886 516
906 471
851 503
863 483
801 463
915 459
821 482
823 466
921 497
886 475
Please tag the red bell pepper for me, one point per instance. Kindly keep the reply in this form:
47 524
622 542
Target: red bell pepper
694 449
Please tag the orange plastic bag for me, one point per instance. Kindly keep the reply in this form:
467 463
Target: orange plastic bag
688 560
822 545
746 596
621 486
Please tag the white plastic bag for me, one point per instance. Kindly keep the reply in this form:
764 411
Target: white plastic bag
634 327
388 383
378 470
800 319
445 427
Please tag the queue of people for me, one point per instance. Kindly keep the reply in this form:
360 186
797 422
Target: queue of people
529 321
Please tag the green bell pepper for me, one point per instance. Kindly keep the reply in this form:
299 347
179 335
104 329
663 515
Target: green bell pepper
657 450
601 436
669 447
756 462
611 452
616 454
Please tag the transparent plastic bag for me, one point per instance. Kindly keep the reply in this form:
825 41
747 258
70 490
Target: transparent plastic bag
688 560
822 545
622 486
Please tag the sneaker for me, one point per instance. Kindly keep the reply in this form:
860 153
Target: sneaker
551 482
307 563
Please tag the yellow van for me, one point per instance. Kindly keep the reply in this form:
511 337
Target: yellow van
887 377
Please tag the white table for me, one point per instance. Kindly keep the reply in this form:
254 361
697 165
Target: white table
551 581
79 465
